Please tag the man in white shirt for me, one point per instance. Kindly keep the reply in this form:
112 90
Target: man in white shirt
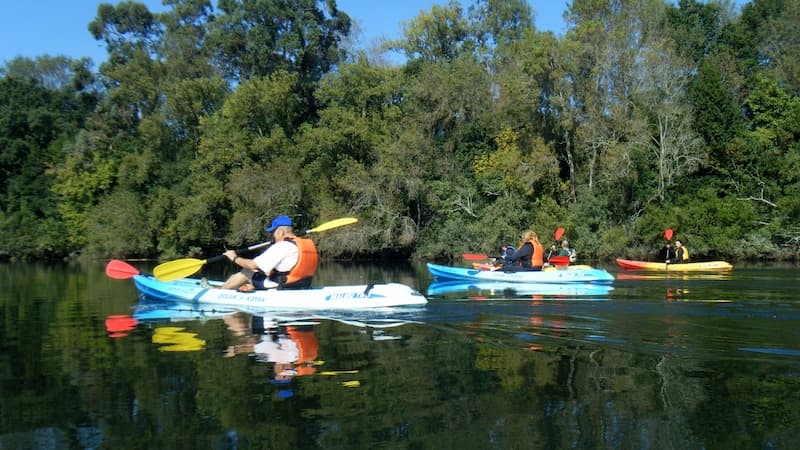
275 266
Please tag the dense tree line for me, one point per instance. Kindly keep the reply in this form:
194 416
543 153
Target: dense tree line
204 122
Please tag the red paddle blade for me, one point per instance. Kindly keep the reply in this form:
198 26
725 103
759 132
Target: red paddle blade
120 270
559 232
474 256
668 233
559 260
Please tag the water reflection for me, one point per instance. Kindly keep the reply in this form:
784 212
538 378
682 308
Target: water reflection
712 366
473 290
285 341
674 276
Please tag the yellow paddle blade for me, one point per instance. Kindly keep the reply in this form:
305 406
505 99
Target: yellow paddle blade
179 268
333 224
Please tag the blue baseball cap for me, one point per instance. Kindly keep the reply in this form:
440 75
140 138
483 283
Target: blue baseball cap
280 221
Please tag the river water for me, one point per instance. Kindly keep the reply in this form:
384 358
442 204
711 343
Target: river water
651 361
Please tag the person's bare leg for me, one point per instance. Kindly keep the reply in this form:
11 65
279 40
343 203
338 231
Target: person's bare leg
235 280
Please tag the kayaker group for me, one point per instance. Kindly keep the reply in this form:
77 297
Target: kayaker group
677 256
291 261
530 254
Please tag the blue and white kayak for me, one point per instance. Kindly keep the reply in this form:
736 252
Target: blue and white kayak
378 295
514 290
547 275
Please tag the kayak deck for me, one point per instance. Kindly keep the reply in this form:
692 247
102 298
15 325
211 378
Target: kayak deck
629 264
319 298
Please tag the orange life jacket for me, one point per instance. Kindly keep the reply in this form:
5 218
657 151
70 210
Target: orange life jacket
307 346
537 260
307 260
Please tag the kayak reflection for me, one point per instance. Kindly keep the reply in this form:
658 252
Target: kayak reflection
518 290
685 276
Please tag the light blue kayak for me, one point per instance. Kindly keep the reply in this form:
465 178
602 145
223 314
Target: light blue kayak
378 295
548 275
527 290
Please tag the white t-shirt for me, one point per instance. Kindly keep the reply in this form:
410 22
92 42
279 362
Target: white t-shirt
281 256
282 350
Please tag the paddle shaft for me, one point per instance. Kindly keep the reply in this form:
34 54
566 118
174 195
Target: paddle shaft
239 251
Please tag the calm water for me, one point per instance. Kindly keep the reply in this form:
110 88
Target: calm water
654 362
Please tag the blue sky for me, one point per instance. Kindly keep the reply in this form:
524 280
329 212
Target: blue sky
59 27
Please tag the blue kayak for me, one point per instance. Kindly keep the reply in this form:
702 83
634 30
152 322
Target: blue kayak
547 275
512 290
378 295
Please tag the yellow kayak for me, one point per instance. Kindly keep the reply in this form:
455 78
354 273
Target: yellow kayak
705 266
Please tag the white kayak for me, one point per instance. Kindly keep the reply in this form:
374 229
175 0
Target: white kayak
378 295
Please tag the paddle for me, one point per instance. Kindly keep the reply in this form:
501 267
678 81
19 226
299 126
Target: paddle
120 270
474 256
668 236
558 260
181 268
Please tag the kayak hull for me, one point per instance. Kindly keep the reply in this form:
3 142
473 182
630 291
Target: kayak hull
551 275
499 288
705 266
319 298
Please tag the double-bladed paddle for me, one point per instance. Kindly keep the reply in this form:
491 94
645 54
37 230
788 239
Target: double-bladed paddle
474 256
181 268
668 236
558 260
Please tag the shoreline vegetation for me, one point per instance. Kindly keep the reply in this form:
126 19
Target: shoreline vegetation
197 130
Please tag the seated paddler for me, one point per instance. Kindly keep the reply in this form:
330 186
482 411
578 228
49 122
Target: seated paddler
289 263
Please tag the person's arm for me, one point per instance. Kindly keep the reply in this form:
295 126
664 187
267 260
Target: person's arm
245 263
525 250
678 257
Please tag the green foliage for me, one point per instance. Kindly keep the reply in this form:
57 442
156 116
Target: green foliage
118 226
255 39
211 119
441 34
717 118
35 123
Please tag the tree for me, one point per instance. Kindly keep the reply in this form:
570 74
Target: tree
35 122
718 119
254 39
441 34
664 126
